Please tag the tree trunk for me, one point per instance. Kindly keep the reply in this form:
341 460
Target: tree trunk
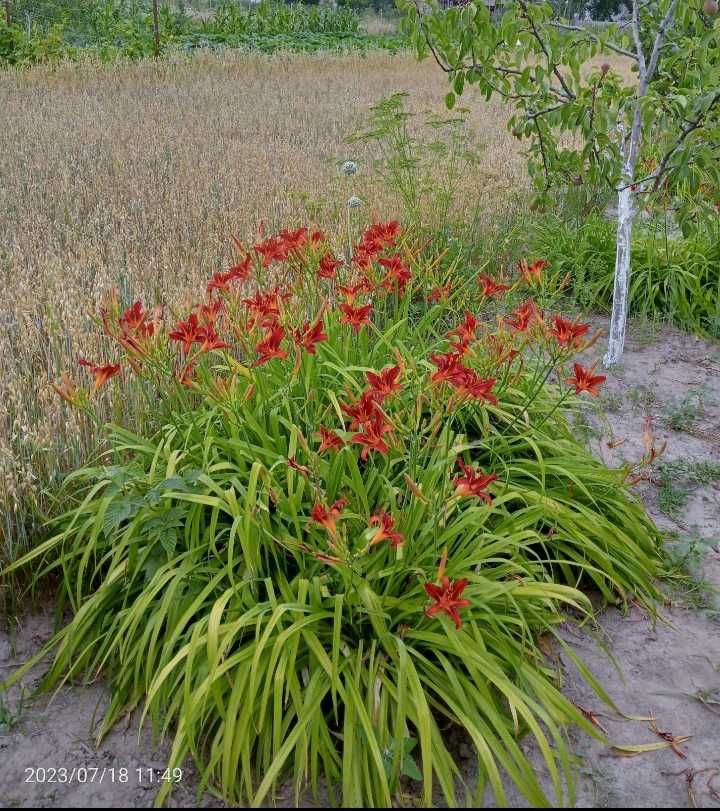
7 12
156 26
625 219
625 216
626 204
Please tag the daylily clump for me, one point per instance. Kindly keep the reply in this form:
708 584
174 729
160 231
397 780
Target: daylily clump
264 324
331 423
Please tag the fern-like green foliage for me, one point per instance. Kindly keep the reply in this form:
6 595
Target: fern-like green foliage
262 588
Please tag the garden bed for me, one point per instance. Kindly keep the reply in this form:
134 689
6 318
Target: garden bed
671 671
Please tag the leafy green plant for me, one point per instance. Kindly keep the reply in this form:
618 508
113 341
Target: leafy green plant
112 29
281 18
683 563
677 278
685 413
671 497
422 163
360 514
679 478
10 717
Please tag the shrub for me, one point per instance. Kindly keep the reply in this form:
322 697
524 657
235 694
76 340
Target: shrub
361 513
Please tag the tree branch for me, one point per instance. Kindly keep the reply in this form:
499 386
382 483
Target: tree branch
609 45
659 39
542 155
638 43
689 128
474 65
553 67
539 113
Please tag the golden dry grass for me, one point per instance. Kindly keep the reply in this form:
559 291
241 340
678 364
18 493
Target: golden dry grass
135 176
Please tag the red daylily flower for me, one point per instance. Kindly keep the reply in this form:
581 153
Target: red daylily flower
363 255
328 516
269 347
371 437
238 273
185 375
523 316
265 307
328 440
187 332
293 240
449 367
317 237
385 234
384 383
375 239
242 269
351 292
473 483
135 320
209 312
308 336
385 532
272 250
219 281
469 382
328 266
209 339
532 272
397 275
585 380
101 373
465 332
356 317
490 287
568 333
363 410
137 326
447 599
438 294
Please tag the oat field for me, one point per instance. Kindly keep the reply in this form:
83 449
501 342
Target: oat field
135 176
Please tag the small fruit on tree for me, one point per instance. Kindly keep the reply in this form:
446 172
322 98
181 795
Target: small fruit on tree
710 7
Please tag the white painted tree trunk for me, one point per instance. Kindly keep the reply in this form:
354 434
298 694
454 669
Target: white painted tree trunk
625 216
625 219
626 204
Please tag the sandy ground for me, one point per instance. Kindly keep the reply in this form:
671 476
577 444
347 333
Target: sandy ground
668 670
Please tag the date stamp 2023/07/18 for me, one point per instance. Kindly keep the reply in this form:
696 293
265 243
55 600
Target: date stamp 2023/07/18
142 775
